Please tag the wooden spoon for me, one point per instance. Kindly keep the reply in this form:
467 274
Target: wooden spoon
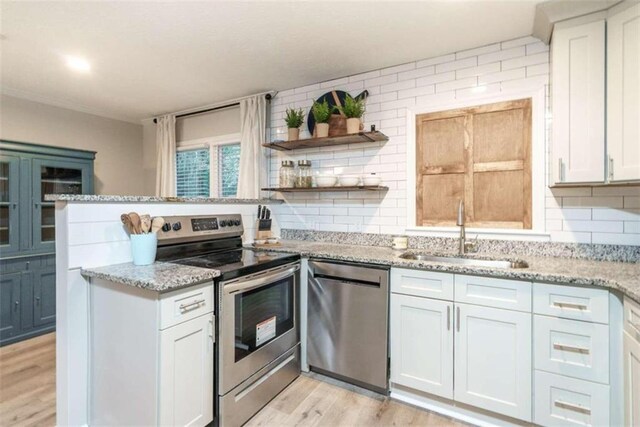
157 224
135 222
127 223
145 223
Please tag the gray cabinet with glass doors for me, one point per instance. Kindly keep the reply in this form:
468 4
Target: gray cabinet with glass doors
28 172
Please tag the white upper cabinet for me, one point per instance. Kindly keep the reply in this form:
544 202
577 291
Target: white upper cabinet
578 102
623 93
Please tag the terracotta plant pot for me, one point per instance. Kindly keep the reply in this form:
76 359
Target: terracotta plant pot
294 134
322 130
353 125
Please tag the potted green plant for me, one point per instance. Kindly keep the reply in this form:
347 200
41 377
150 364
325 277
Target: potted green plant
294 119
321 114
353 109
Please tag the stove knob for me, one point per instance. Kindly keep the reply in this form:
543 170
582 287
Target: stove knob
223 223
177 226
166 227
236 222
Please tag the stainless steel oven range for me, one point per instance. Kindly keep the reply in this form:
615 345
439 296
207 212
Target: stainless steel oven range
257 311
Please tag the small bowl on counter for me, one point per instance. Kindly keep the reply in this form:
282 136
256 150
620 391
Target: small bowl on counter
349 181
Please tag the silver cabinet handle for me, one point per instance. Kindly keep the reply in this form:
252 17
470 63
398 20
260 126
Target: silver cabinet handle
38 300
448 318
17 303
565 347
560 177
192 305
610 168
570 305
458 318
572 407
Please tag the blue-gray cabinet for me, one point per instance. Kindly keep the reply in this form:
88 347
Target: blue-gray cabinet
28 172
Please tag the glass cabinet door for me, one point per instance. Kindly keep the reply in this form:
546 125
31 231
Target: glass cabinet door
9 206
54 177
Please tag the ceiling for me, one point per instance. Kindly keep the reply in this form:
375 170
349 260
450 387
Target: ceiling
154 57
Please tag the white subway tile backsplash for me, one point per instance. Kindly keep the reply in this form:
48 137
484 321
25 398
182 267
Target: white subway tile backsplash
501 76
437 60
492 67
478 51
456 65
419 72
502 55
582 214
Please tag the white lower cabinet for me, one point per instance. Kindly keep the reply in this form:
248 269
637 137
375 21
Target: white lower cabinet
631 380
632 363
563 401
186 373
493 360
421 339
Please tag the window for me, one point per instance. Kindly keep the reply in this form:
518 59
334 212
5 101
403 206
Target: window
192 171
209 171
481 155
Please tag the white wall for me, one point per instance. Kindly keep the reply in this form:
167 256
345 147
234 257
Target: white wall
588 215
118 144
220 122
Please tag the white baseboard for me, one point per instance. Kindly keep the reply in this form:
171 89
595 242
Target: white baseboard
452 409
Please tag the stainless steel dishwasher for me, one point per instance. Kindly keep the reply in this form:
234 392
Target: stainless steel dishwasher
348 322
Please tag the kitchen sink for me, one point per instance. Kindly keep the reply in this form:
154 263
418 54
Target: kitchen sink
477 262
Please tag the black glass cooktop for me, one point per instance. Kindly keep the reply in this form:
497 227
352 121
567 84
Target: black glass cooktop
238 262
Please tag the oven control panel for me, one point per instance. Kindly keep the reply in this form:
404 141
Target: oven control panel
195 228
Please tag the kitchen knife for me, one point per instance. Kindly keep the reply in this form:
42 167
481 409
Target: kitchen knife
268 213
259 210
264 212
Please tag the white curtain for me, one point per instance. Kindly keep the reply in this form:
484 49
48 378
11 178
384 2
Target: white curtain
166 156
252 173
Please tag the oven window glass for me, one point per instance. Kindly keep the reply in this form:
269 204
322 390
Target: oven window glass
262 315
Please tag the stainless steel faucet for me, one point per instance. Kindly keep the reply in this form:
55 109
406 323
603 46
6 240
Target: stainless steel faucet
463 245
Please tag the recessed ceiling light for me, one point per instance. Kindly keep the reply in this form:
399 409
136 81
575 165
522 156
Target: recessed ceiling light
78 64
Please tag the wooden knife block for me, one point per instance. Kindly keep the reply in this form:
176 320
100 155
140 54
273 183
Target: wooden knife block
263 229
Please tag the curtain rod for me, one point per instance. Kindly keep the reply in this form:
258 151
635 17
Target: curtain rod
220 107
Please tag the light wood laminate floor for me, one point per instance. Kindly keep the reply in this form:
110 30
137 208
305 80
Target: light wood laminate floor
27 397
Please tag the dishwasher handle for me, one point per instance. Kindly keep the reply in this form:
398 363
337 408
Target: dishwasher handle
357 274
323 279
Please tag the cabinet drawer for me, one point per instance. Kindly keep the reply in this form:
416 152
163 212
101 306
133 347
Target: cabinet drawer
591 305
563 401
490 292
186 304
422 283
632 318
572 348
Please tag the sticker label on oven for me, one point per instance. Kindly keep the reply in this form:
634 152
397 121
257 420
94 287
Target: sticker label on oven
265 330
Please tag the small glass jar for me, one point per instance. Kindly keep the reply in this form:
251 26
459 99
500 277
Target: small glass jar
305 177
287 174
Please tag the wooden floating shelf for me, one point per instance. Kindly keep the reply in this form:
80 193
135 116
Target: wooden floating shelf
328 189
355 138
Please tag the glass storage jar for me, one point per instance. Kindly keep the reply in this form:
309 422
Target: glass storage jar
287 175
305 178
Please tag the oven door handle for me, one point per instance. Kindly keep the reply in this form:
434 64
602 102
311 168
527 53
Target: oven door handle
258 281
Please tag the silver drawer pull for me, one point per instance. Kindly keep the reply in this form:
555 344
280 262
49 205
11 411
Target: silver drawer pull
191 305
575 349
570 305
572 407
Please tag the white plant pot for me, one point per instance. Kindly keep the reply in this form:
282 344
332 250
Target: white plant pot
322 130
353 125
294 134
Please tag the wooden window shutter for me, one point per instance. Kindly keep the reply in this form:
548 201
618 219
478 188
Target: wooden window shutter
481 155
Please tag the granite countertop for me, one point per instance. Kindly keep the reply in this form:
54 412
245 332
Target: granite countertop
624 277
153 199
158 277
166 276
